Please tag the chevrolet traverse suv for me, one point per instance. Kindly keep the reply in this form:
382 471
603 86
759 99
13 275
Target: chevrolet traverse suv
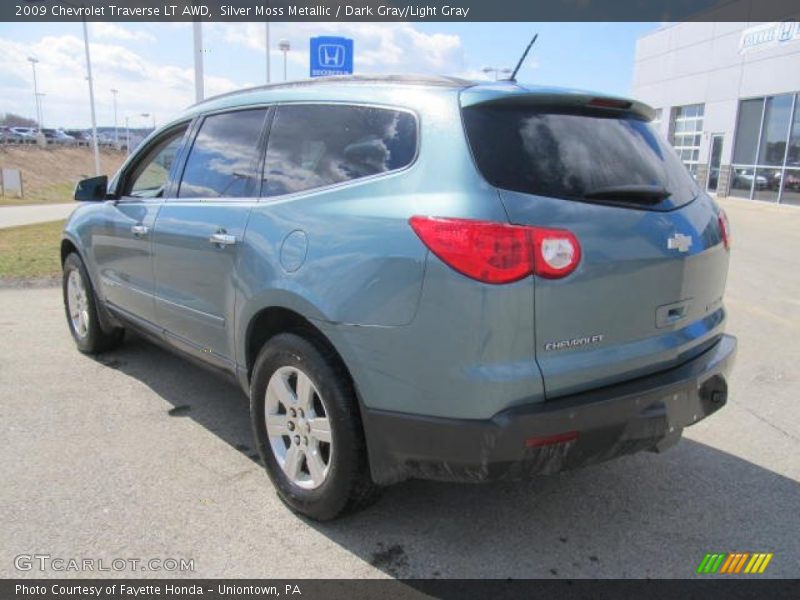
416 277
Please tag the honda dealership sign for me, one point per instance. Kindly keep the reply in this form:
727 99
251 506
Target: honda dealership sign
768 35
331 56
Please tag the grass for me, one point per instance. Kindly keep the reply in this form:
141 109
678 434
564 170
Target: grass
31 251
56 193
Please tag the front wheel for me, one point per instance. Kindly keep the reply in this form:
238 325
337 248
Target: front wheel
80 304
307 428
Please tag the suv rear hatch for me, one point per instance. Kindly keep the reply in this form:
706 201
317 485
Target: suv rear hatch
647 293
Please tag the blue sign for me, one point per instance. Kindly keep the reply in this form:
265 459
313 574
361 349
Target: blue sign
331 56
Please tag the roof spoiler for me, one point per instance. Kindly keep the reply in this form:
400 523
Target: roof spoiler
498 96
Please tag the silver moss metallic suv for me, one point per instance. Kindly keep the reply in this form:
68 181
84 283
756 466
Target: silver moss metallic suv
416 277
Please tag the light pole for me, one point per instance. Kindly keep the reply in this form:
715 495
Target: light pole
127 136
39 97
284 46
91 98
91 85
145 115
33 62
496 71
114 92
198 61
269 75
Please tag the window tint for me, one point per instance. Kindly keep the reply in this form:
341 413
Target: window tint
571 154
314 146
149 177
222 161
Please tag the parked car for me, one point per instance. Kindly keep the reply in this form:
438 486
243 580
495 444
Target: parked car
743 179
57 136
416 277
24 131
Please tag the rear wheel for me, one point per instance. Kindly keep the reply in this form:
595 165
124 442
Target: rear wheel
81 308
307 428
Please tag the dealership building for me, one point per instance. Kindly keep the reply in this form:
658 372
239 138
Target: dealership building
726 97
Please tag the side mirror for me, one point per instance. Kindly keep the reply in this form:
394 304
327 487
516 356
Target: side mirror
91 190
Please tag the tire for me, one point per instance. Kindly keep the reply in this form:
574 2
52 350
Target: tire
82 318
341 481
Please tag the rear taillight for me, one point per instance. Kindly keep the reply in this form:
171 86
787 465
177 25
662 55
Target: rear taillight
497 252
724 229
556 252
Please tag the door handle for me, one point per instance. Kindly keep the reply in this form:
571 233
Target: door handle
222 239
140 229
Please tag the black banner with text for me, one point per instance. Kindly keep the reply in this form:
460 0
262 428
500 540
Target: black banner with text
397 10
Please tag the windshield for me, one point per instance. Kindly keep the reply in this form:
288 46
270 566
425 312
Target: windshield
575 154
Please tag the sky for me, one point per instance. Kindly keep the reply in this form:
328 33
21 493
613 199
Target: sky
151 64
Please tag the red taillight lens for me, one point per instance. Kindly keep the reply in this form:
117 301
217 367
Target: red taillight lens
724 229
497 252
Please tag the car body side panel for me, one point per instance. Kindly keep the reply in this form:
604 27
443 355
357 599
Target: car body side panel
195 280
348 249
468 353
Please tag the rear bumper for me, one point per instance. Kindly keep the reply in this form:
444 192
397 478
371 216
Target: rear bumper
644 414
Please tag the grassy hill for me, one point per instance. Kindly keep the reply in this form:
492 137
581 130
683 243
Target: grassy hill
49 174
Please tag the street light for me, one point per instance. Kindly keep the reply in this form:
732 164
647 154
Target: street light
145 115
496 71
39 96
96 148
33 62
197 30
284 47
269 75
116 131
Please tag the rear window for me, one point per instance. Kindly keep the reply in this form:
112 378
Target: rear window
571 154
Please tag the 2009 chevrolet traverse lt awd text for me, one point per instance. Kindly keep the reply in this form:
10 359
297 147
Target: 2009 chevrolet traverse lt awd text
416 277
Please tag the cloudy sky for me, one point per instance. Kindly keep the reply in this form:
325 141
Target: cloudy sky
151 63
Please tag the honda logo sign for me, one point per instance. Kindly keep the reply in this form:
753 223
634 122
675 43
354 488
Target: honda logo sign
331 56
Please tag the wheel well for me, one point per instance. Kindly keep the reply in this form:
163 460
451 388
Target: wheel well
67 248
274 320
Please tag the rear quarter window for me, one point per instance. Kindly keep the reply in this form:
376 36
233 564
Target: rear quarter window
313 146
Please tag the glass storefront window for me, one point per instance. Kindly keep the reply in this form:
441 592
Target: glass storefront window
791 187
773 134
747 127
742 182
766 147
793 156
767 184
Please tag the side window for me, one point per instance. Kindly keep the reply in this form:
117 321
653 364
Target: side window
149 177
311 146
222 161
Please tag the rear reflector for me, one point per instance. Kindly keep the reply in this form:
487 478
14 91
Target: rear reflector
497 252
724 229
551 440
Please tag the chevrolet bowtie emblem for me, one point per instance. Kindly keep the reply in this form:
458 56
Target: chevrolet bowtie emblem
679 242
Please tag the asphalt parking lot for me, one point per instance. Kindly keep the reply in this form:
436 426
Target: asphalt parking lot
138 454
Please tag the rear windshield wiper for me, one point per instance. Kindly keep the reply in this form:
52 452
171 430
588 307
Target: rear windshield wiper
640 194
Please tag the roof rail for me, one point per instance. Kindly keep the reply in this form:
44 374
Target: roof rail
391 79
